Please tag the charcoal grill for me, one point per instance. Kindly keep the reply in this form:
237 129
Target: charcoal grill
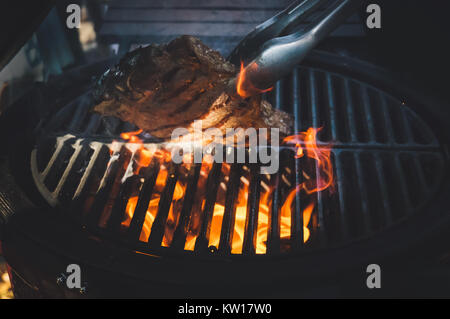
374 136
390 159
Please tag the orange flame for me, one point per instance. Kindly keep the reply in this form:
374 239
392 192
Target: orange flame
149 216
306 142
131 136
263 221
240 217
152 208
243 85
144 156
305 145
286 216
219 210
317 178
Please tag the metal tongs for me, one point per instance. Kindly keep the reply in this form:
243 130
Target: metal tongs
268 54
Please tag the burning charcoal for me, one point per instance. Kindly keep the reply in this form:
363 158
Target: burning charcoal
163 87
5 284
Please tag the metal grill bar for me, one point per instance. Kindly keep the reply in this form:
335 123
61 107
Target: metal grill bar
201 243
90 181
108 188
53 159
296 215
332 107
273 235
384 192
322 229
421 175
120 204
350 111
251 220
229 217
150 174
72 178
341 192
65 158
179 237
368 112
387 120
364 193
409 137
402 182
98 150
316 123
314 100
296 100
159 224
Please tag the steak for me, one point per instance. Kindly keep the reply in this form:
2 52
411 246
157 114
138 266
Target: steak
162 87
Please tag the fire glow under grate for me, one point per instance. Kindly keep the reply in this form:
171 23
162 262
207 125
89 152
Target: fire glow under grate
215 208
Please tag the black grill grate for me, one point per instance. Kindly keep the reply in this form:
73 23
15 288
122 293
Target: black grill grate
387 165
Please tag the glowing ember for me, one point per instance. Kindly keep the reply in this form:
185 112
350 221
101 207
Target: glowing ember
143 156
317 177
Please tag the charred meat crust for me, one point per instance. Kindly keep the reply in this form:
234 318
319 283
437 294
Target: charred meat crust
163 87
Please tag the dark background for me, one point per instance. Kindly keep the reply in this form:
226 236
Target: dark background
412 41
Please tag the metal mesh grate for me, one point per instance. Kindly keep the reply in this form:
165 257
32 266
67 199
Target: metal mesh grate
387 164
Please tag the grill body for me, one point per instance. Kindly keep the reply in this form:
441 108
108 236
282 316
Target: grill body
388 165
376 211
